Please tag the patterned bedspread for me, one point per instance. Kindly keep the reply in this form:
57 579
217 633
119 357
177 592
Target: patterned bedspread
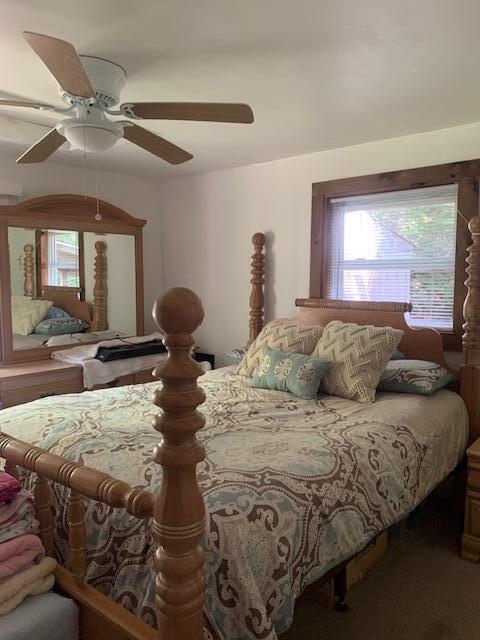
292 486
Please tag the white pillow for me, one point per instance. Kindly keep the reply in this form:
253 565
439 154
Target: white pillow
27 313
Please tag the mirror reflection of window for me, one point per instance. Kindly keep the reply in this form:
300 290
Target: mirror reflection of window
59 255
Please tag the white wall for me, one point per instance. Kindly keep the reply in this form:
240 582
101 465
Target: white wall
136 196
208 219
120 278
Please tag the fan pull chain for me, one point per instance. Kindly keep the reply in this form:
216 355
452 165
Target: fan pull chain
84 167
98 215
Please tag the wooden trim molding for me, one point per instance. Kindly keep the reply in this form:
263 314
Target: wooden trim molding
464 174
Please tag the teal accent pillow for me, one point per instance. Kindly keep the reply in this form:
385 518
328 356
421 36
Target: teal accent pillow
397 355
60 326
414 376
56 312
293 372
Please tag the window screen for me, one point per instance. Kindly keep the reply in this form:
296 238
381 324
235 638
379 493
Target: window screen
396 246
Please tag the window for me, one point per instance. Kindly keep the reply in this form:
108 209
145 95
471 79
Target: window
396 246
59 258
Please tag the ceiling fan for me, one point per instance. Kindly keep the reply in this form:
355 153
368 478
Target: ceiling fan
90 87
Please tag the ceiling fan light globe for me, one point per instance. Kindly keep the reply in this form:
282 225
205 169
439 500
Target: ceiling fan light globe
91 139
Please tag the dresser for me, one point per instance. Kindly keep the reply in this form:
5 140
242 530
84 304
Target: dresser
21 383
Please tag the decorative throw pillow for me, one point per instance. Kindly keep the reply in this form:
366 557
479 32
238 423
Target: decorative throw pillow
60 326
397 355
56 312
283 335
357 356
235 355
414 376
27 313
292 372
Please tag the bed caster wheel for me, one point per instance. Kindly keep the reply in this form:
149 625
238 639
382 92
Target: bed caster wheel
342 607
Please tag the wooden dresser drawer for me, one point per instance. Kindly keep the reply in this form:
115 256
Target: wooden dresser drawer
25 388
142 377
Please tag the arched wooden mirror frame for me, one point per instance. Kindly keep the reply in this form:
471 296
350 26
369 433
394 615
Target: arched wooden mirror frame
73 213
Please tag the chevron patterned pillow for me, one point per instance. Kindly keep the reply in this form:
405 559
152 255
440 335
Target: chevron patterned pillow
358 356
281 335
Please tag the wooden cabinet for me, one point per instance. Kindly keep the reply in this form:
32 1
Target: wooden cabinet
471 533
20 383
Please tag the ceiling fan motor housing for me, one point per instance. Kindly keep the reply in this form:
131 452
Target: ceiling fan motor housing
107 78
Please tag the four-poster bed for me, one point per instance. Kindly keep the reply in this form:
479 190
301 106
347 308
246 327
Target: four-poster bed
178 507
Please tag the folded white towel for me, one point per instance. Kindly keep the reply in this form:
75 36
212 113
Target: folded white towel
34 580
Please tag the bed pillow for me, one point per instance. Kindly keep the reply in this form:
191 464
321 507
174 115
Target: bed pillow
282 335
357 356
414 376
292 372
60 326
27 313
56 312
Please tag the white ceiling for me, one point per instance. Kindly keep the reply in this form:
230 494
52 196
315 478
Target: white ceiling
318 74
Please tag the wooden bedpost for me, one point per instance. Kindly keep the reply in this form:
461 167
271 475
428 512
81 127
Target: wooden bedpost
258 278
470 392
179 512
100 322
470 370
28 271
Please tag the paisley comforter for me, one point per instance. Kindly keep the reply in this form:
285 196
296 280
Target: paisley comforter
292 486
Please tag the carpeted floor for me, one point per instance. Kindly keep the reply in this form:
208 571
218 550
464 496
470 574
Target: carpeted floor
420 590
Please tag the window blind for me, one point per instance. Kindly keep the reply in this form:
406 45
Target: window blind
396 246
59 258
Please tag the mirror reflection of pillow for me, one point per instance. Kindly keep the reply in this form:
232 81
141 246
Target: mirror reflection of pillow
60 326
56 312
27 313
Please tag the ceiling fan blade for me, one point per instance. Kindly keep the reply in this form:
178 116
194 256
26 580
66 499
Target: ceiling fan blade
207 111
63 62
42 149
155 144
32 105
17 103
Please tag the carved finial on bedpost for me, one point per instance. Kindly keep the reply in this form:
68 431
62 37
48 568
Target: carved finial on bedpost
471 307
28 270
100 322
257 281
179 513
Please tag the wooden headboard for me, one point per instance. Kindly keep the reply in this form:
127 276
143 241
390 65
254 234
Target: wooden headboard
418 344
69 298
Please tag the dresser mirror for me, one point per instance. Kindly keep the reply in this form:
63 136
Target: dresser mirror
70 275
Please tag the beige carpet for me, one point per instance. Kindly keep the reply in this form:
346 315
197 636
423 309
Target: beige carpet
420 590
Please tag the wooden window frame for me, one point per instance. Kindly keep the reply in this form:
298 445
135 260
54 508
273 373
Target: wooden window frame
465 174
81 265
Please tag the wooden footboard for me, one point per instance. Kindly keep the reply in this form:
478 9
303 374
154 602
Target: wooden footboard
177 512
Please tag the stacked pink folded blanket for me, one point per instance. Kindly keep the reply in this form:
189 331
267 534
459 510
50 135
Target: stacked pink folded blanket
24 570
